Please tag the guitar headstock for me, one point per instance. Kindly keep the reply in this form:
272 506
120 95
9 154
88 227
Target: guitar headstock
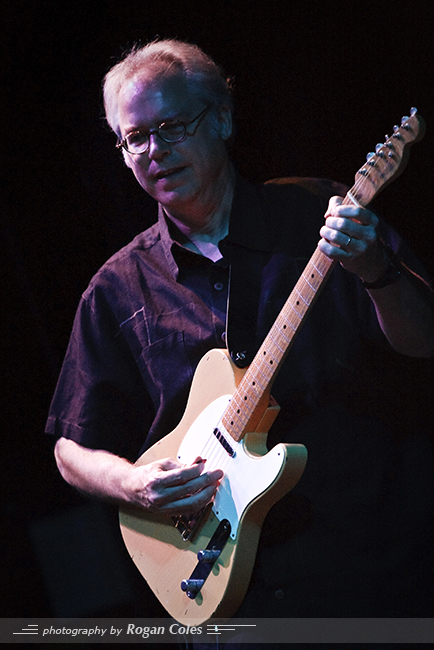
389 159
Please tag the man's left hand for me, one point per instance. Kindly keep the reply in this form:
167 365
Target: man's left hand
350 237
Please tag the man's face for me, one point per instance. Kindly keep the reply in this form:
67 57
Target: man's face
185 175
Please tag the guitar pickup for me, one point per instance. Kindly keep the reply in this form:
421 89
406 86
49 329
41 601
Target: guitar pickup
207 557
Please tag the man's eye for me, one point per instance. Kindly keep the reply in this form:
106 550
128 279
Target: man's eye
136 139
172 129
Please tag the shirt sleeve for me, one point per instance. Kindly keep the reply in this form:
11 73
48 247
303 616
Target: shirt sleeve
100 401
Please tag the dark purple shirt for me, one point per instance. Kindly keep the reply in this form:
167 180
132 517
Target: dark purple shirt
155 308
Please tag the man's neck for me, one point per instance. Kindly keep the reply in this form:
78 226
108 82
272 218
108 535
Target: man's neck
205 233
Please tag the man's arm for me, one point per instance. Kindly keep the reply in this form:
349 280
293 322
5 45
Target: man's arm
405 308
163 486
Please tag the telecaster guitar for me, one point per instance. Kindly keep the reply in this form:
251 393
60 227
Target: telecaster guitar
199 568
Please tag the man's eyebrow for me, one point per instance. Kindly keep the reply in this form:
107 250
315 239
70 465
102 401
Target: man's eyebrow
176 116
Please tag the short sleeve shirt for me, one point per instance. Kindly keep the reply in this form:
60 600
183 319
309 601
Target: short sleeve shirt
155 308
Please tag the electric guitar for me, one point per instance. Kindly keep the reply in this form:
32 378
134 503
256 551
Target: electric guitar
199 567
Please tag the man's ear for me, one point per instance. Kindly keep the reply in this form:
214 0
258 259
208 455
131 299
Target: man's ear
225 122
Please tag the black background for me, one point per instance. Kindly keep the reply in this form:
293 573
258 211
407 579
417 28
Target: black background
317 85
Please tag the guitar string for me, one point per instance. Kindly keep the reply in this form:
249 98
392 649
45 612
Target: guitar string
213 451
370 169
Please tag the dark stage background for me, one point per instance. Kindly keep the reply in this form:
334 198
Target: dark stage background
317 86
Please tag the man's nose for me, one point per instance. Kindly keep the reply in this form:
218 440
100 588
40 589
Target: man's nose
158 148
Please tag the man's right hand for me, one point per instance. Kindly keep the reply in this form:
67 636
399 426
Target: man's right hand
163 486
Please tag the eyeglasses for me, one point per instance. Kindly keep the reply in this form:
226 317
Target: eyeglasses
137 142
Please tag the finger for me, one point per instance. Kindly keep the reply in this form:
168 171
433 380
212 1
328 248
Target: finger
195 494
180 475
194 485
339 238
334 203
352 214
190 503
167 464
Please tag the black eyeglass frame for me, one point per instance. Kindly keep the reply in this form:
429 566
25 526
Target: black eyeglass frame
122 144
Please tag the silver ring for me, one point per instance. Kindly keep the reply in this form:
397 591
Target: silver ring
348 242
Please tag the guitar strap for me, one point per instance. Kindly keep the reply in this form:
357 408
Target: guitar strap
247 247
252 235
245 272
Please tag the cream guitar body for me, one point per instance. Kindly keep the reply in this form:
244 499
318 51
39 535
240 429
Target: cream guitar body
254 480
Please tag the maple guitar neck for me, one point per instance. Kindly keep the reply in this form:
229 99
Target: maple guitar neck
383 166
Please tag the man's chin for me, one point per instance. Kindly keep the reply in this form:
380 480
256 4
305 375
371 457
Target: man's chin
174 195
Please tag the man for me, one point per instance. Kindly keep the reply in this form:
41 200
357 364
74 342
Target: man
159 304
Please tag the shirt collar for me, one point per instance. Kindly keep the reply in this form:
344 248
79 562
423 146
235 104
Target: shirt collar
247 225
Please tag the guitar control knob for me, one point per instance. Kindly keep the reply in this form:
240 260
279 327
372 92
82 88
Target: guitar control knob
208 555
192 587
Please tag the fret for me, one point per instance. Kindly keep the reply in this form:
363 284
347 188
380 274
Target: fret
317 270
259 369
275 342
286 319
282 334
298 312
300 295
313 280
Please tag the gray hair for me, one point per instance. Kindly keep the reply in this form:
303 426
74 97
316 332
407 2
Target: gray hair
204 77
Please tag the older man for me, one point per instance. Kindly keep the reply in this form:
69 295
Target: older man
159 304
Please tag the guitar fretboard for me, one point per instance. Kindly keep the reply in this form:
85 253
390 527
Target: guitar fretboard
270 356
381 167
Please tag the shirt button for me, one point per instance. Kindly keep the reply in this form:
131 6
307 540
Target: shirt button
219 286
279 594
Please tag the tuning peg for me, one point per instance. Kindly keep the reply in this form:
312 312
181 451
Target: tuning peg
378 148
413 111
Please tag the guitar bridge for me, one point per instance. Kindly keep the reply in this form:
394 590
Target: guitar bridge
186 525
206 560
